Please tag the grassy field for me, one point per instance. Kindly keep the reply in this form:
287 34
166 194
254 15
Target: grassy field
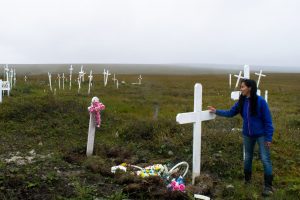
43 139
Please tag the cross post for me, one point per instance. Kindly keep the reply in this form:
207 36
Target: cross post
196 118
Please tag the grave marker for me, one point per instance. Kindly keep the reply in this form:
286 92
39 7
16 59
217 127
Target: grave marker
196 118
259 76
246 72
71 69
58 77
90 81
63 77
49 76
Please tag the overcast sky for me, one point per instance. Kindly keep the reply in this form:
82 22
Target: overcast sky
259 32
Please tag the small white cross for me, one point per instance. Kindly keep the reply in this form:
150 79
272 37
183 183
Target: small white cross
49 75
238 79
90 81
58 77
259 76
114 78
71 69
63 77
140 79
196 118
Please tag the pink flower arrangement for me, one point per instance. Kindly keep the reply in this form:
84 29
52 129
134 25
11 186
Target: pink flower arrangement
95 108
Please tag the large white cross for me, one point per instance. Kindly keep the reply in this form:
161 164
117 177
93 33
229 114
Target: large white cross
259 76
246 72
196 118
71 69
91 134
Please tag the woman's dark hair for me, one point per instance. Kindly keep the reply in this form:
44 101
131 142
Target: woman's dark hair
253 97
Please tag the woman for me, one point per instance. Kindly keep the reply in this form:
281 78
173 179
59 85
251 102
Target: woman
257 127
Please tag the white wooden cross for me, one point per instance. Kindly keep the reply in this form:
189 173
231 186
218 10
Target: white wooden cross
15 78
91 133
90 81
104 76
117 83
6 69
81 74
140 79
259 76
196 118
238 79
11 75
58 77
107 74
246 72
79 83
71 69
114 79
63 77
266 95
49 76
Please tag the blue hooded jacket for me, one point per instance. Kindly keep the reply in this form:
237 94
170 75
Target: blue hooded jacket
253 126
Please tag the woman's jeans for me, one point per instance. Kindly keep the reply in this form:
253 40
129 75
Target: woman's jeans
249 143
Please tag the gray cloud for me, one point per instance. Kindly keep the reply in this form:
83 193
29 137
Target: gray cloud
259 32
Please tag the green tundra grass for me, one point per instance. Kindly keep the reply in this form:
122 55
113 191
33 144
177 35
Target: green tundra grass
47 135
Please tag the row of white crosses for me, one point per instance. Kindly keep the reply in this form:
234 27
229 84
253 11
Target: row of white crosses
235 94
81 79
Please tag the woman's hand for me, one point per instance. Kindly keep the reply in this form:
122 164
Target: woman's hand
211 109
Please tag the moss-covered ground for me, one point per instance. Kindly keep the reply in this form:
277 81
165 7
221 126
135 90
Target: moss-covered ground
43 139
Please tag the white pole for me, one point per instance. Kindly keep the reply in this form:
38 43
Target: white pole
15 78
229 80
266 95
71 69
63 77
49 75
90 81
91 135
58 77
246 71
